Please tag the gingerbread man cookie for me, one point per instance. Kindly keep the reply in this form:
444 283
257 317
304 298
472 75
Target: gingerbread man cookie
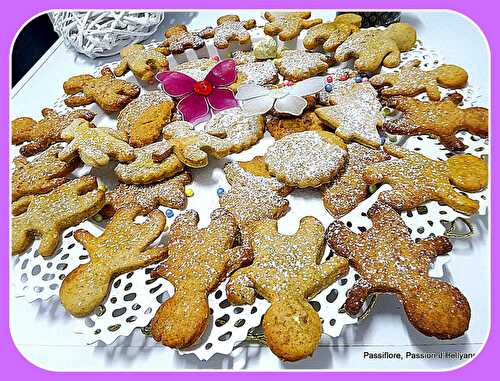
330 35
348 189
286 271
178 39
41 175
144 118
198 261
254 195
389 261
308 121
169 193
306 159
416 179
109 93
152 163
122 247
297 65
47 215
372 48
442 119
355 115
230 29
96 145
411 80
45 132
288 26
143 62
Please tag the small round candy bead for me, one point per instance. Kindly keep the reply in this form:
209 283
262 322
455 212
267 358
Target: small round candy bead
372 188
102 187
329 79
358 79
387 111
364 75
169 213
393 139
189 192
216 58
97 218
220 191
343 77
328 88
382 140
365 79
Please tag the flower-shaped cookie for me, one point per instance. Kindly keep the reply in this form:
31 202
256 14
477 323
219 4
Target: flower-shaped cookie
198 97
286 271
257 99
306 159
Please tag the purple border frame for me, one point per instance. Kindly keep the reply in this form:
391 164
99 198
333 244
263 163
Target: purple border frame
15 15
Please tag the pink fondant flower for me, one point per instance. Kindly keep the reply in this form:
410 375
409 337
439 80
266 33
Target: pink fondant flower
199 97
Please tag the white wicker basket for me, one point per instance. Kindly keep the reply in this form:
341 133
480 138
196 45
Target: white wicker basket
102 34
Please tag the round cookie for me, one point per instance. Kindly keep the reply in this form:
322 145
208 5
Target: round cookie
467 172
306 159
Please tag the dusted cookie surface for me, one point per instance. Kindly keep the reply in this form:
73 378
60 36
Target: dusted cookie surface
45 132
288 26
416 179
109 93
46 216
355 115
143 62
411 80
389 261
198 261
330 35
231 29
41 175
348 189
286 271
442 119
254 195
371 48
297 65
122 247
144 118
95 146
178 39
169 193
306 159
152 163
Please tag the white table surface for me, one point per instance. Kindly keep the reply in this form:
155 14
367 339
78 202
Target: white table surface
42 330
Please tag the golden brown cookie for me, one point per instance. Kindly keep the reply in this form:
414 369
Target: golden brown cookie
287 272
371 48
143 62
230 29
122 247
288 26
260 73
416 179
306 159
297 65
282 126
198 261
229 131
144 118
153 163
95 146
442 119
254 195
46 216
109 93
169 193
45 132
411 80
348 189
178 39
41 175
355 115
330 35
389 261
